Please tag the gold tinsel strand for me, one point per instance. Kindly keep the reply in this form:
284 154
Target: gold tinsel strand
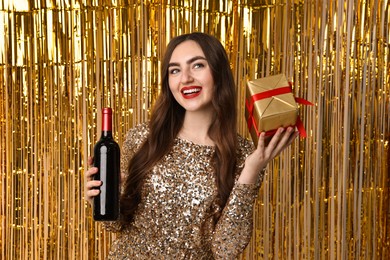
327 197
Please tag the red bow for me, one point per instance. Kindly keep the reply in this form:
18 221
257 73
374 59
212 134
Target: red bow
270 93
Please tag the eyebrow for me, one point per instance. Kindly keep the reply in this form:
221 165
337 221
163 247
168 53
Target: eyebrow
188 62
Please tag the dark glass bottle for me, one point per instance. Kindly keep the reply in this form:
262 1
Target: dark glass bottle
107 160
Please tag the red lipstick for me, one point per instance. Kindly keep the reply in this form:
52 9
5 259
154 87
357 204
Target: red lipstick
191 92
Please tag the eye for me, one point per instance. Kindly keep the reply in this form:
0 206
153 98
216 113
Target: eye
198 65
174 71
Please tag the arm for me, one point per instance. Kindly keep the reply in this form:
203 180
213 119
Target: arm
234 228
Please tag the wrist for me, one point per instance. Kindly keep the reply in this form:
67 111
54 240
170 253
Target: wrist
250 175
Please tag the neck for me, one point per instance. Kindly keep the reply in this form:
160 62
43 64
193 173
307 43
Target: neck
196 126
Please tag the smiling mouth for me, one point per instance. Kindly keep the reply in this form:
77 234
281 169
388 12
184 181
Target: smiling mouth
191 92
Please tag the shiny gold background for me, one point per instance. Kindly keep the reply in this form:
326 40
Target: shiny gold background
62 60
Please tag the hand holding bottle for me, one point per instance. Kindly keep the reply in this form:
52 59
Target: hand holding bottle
91 185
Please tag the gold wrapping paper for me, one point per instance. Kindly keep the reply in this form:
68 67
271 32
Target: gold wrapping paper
272 110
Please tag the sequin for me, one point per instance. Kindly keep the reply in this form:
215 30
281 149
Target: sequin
173 220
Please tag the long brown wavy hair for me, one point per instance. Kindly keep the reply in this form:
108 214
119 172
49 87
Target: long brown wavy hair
167 120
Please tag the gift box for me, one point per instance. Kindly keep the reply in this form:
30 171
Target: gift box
270 104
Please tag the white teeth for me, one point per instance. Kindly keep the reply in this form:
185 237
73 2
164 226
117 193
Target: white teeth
190 91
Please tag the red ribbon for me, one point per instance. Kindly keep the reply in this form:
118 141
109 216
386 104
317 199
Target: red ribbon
268 94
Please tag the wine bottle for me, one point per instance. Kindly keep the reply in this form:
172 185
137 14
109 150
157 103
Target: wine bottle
107 160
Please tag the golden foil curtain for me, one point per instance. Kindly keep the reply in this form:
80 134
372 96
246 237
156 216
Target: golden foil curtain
327 197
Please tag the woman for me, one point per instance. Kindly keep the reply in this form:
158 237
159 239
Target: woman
190 180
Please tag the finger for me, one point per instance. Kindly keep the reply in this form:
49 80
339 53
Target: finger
292 138
261 142
292 134
286 140
93 184
90 194
275 139
90 160
91 171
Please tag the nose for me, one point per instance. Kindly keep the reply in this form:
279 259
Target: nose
186 76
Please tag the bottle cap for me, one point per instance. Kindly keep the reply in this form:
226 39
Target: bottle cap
107 110
107 119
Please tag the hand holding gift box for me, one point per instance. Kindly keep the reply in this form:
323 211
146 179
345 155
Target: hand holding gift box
270 104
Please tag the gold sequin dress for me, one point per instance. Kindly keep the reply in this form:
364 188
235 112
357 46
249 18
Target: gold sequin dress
173 219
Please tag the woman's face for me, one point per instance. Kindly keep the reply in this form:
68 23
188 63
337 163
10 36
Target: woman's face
190 78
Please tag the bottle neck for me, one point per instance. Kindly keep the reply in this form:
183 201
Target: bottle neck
106 134
107 122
